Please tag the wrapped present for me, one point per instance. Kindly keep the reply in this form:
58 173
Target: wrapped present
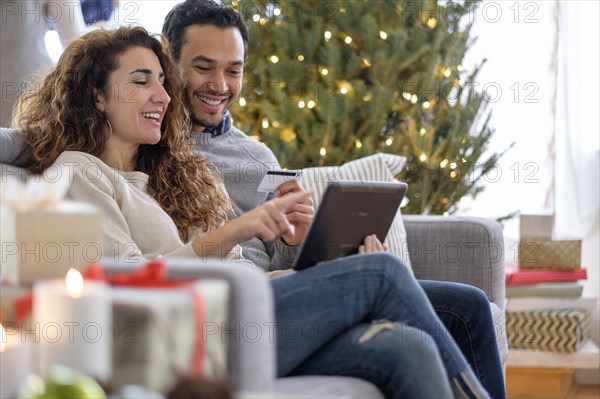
162 334
536 225
552 330
537 276
164 329
549 254
44 236
547 290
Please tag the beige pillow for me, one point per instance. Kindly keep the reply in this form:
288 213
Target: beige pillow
378 167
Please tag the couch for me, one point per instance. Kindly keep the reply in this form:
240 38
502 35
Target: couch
462 249
457 248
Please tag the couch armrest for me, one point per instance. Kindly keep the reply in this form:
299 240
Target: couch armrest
250 338
462 249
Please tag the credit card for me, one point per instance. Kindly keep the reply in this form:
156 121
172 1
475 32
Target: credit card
275 178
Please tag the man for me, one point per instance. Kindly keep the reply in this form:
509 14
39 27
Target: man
212 71
208 43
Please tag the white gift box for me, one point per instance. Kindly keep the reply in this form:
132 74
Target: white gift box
46 243
160 334
538 225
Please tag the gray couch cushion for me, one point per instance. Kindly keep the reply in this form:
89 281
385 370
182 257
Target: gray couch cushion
325 387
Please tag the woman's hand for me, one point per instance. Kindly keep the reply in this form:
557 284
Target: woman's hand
300 215
372 244
279 273
269 221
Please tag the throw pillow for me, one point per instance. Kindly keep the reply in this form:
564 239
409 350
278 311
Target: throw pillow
378 167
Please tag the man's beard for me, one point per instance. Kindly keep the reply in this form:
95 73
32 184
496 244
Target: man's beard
197 121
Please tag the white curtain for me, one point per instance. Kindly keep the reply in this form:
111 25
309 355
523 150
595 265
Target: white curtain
577 147
577 120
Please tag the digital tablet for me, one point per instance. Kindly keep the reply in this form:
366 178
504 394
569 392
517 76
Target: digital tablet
349 211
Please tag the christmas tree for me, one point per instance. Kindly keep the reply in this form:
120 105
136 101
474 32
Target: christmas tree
327 82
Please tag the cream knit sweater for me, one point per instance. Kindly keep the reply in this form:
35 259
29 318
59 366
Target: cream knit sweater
135 226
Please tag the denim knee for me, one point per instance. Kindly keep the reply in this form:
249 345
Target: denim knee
411 358
389 263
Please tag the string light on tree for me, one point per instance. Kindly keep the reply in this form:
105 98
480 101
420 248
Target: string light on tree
348 40
323 151
301 104
366 62
447 72
357 143
383 35
423 157
263 21
431 23
256 17
265 123
345 87
443 163
311 104
324 71
274 59
327 35
276 11
414 99
389 141
422 131
287 135
426 105
242 102
407 96
300 58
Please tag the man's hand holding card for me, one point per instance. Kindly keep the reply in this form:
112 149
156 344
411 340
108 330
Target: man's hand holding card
301 214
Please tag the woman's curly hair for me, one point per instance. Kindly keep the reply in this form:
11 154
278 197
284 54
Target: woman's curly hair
61 115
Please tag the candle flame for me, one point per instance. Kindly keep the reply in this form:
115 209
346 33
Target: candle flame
74 283
2 338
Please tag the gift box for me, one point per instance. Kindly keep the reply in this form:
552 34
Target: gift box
162 334
46 243
536 225
552 330
550 254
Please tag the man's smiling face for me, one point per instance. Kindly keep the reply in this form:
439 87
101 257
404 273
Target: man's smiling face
211 66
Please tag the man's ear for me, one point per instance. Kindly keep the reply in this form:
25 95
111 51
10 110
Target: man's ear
100 101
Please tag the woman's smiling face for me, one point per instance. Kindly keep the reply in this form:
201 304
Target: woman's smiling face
135 100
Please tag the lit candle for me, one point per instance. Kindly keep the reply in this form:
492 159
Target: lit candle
72 319
14 362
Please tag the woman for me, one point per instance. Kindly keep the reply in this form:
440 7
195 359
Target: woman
111 117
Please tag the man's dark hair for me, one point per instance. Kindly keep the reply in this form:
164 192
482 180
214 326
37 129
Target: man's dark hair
200 12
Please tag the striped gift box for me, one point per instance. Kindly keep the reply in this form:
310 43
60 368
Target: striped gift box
551 330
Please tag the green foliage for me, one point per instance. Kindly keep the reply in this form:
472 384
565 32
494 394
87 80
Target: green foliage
393 83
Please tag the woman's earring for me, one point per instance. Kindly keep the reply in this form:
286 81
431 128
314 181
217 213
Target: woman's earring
109 128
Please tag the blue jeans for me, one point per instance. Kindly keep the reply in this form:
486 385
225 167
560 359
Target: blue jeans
465 312
366 316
